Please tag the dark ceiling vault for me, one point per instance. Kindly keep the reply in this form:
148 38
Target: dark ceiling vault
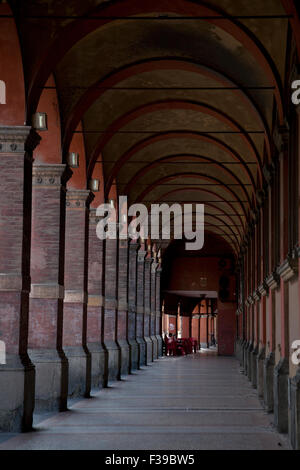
176 98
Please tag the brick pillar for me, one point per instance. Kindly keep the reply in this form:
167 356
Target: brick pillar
140 306
110 309
75 299
132 278
147 307
122 330
95 310
281 370
153 309
272 284
47 286
17 375
158 312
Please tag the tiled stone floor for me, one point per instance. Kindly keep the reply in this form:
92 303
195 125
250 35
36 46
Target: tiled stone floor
194 402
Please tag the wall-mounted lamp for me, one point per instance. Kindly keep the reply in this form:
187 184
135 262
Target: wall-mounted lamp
94 184
112 203
39 121
73 159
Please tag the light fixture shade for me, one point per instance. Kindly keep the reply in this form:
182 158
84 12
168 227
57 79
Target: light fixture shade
39 121
94 184
73 159
112 203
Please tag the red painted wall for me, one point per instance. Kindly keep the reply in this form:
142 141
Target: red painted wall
13 112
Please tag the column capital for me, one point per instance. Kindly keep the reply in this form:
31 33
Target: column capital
78 198
18 139
53 175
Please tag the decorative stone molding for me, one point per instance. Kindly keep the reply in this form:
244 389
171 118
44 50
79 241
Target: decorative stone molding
47 175
263 289
93 218
75 296
10 282
288 268
18 139
78 198
46 291
95 300
272 280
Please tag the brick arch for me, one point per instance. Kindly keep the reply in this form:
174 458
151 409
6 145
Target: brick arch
172 63
143 171
221 220
197 189
176 134
174 104
190 175
68 36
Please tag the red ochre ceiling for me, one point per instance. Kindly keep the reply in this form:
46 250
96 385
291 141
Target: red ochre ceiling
169 109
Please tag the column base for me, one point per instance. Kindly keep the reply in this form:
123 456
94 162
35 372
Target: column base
98 365
51 379
149 350
294 430
253 358
142 351
281 378
134 354
79 361
159 345
113 361
155 347
17 384
125 356
260 371
269 363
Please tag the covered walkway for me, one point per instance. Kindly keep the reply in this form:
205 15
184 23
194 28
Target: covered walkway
195 402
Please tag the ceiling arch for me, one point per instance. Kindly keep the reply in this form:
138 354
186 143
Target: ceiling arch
73 31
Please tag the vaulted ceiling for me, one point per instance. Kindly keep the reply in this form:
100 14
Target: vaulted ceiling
176 98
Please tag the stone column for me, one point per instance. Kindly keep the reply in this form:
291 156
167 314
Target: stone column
17 375
132 278
140 305
158 312
95 310
110 309
75 299
47 286
153 308
123 307
147 307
